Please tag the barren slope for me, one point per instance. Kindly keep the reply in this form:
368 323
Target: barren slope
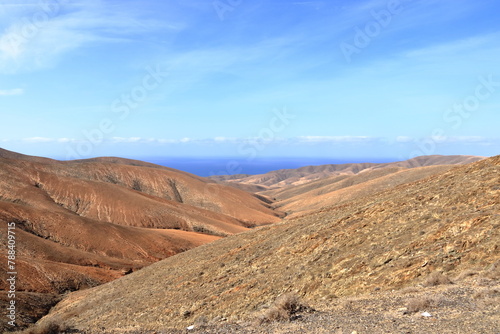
83 223
297 200
448 222
286 177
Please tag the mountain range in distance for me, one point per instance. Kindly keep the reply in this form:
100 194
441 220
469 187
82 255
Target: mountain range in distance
90 225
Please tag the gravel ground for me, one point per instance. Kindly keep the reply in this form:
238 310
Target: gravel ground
454 308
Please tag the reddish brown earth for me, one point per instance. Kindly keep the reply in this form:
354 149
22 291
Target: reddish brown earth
83 223
373 263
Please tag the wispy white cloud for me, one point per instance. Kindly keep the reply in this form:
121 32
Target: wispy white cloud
165 141
36 36
10 92
215 140
220 140
447 139
314 4
368 5
301 140
126 140
336 139
129 140
210 59
404 139
39 140
225 139
467 139
456 47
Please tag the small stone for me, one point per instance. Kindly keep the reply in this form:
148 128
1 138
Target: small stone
190 328
426 314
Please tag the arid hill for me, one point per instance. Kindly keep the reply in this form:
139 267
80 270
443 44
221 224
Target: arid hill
411 236
303 190
286 177
314 195
83 223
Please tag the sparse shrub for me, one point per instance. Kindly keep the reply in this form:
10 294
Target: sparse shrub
112 178
410 289
419 304
493 271
201 229
437 278
47 328
187 313
200 321
274 314
348 304
204 230
488 298
289 302
487 293
466 273
249 224
136 185
283 309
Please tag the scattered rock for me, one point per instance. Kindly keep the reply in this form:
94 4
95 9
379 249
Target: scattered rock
403 310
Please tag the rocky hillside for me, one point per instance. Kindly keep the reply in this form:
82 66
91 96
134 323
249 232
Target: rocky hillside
280 179
315 195
83 223
415 234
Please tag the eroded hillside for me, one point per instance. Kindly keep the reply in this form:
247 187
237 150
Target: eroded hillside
83 223
447 222
284 178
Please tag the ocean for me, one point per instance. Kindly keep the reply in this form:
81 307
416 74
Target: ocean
206 166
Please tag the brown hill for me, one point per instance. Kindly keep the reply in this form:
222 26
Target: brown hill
446 223
286 177
311 196
6 154
83 223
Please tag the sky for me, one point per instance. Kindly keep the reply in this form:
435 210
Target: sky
250 79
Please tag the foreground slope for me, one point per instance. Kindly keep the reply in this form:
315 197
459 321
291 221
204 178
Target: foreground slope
448 222
83 223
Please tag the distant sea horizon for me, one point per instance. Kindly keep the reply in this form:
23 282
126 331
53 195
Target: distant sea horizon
209 166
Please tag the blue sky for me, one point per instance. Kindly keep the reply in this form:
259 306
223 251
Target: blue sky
250 79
